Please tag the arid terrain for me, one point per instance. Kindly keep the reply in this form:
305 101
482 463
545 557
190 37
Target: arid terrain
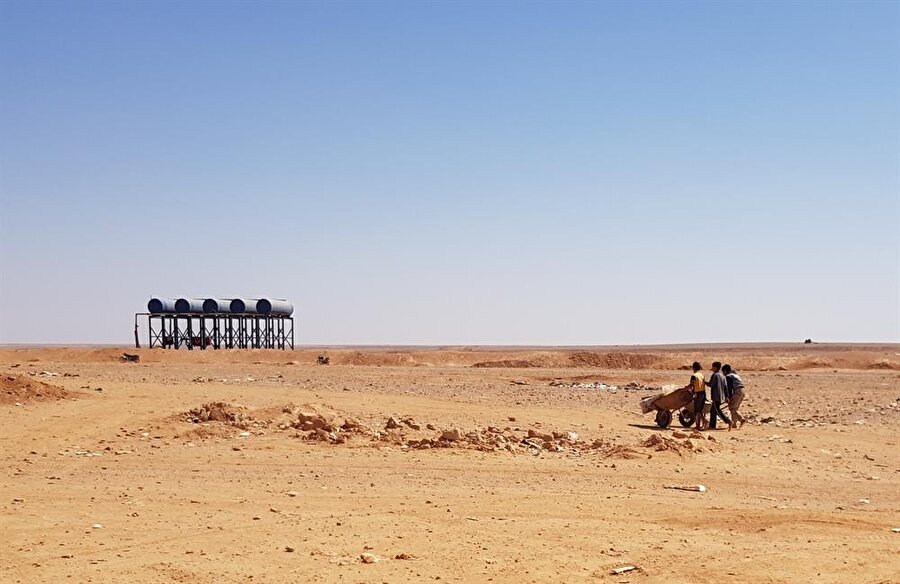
445 464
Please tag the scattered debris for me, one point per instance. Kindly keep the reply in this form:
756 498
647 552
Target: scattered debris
695 488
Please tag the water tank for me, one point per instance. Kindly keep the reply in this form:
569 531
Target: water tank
160 305
217 305
274 306
244 305
189 305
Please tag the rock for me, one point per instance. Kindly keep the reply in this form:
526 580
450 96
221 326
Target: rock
532 433
391 424
313 421
451 435
680 434
369 558
412 424
288 549
96 526
767 420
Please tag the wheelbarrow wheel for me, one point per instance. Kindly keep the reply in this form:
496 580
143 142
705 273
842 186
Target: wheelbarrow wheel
663 418
686 418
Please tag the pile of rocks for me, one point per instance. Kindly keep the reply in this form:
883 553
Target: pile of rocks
329 427
231 414
325 427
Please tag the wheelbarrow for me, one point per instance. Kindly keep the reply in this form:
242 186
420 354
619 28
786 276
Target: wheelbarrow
664 404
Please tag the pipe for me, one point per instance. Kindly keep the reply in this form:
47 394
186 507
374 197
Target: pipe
217 305
274 306
244 305
160 305
188 305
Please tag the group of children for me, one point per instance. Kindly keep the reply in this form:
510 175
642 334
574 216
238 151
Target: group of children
725 386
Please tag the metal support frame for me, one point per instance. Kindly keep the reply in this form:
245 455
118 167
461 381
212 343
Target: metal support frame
217 331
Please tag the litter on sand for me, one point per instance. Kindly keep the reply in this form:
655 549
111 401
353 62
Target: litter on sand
695 488
624 569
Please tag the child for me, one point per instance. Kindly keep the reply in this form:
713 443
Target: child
697 385
734 391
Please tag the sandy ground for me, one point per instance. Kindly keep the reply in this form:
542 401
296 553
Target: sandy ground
109 477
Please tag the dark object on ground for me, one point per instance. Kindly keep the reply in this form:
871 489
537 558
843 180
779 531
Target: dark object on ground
807 342
128 358
323 360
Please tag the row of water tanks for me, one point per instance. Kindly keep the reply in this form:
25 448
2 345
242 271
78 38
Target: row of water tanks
270 306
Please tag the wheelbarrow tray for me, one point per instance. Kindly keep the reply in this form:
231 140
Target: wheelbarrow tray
674 400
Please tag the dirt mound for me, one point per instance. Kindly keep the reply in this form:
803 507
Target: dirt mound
813 363
22 389
661 443
884 364
507 363
613 360
623 453
378 358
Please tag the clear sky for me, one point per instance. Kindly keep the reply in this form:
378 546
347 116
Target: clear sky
455 172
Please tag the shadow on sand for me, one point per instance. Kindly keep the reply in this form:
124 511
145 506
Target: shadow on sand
647 426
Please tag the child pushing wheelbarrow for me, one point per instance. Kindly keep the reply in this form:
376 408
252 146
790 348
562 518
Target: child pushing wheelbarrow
687 400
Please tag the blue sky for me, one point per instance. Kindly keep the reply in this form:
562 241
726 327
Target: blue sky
455 173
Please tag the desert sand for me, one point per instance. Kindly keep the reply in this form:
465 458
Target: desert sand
461 464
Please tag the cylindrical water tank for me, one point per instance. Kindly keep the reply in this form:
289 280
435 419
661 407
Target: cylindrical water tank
217 305
244 305
188 305
274 306
160 305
